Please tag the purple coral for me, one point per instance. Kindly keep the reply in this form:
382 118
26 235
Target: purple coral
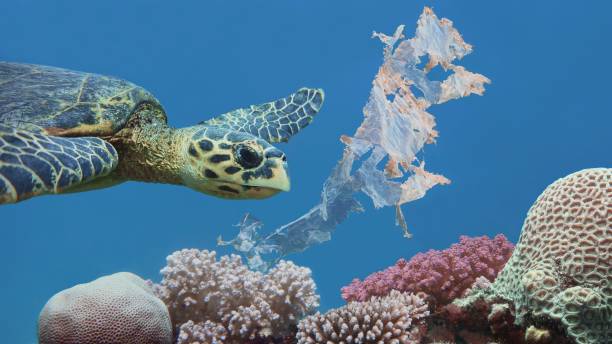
442 275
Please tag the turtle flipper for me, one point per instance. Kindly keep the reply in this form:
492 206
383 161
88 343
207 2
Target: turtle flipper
33 164
275 121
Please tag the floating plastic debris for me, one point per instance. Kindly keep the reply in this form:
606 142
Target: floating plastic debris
395 128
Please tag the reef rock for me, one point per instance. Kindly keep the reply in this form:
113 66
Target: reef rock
118 308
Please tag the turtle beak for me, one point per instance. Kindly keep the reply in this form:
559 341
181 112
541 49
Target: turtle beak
279 179
284 184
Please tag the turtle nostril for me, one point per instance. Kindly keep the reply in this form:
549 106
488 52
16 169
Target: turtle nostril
275 153
284 158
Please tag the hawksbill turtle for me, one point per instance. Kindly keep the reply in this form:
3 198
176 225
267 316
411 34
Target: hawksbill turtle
67 131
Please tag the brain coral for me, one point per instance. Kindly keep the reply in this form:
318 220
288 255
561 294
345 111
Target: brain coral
561 267
222 301
396 318
118 308
442 275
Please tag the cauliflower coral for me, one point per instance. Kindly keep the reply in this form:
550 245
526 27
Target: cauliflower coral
222 301
394 319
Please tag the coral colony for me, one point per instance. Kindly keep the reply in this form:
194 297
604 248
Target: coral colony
555 286
120 308
216 301
561 269
395 318
442 275
396 126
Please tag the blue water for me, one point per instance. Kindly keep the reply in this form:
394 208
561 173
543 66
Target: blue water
547 114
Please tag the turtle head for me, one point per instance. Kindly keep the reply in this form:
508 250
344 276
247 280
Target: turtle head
233 164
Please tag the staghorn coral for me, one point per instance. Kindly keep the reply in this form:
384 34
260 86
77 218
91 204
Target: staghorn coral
209 332
396 318
206 332
442 275
561 268
118 308
222 301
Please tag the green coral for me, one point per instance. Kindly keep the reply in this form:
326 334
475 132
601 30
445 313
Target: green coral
560 270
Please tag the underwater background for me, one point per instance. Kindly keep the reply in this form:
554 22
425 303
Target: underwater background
545 115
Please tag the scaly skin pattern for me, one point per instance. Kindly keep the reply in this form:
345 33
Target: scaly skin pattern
126 128
218 157
203 158
65 102
34 164
274 121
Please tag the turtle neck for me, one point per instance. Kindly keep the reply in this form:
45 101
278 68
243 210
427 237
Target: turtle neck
151 153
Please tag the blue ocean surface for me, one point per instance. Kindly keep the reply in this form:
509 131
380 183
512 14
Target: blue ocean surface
545 115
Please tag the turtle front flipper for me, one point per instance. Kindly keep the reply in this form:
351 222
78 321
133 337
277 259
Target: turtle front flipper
275 121
33 164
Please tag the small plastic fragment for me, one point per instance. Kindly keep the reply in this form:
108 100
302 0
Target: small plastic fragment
395 128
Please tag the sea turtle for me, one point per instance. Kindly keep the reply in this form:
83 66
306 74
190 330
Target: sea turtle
67 131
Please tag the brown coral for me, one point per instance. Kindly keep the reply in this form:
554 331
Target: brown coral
561 267
396 318
119 308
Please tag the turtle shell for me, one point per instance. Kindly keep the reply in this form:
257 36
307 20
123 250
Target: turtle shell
67 103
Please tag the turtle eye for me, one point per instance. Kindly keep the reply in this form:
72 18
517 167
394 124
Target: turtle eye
247 157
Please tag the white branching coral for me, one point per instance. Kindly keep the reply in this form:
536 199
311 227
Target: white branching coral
397 318
207 332
395 128
222 301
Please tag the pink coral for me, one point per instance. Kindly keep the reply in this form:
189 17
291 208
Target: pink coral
443 275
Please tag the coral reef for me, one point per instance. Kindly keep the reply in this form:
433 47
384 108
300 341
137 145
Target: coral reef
396 318
554 288
222 301
118 308
442 275
558 282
